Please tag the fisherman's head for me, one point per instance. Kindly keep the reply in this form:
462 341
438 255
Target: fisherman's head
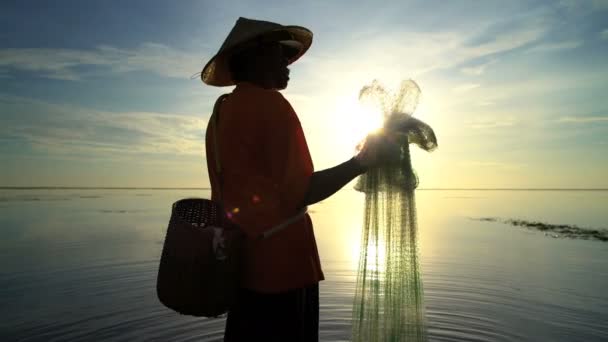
263 64
258 52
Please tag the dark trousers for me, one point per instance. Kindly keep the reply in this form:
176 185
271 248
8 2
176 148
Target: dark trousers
288 316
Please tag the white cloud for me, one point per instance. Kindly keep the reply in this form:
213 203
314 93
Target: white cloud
536 88
62 63
478 69
549 47
466 87
583 119
393 56
507 41
68 130
491 122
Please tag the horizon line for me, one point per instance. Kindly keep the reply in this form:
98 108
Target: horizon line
208 188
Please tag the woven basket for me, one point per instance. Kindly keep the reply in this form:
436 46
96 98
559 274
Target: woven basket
191 280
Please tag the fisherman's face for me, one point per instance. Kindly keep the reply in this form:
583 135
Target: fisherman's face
272 63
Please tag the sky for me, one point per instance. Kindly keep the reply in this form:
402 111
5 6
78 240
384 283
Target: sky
101 93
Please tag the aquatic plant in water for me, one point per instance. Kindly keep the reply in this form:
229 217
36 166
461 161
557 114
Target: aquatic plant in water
554 230
388 303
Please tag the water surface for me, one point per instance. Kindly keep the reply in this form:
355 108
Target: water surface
80 264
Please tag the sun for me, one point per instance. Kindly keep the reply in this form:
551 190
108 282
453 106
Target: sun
357 120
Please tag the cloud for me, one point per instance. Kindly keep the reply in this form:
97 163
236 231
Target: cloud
549 47
488 121
491 164
491 123
478 69
466 87
583 119
66 64
604 34
390 54
574 5
69 130
506 41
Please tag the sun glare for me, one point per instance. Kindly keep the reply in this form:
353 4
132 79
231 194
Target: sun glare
358 120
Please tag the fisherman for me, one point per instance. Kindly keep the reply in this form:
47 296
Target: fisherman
268 179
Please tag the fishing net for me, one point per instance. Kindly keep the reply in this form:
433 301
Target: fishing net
388 303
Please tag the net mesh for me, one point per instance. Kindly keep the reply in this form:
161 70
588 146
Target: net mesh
388 303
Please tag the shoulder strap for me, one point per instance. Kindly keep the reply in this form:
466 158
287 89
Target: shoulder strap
214 122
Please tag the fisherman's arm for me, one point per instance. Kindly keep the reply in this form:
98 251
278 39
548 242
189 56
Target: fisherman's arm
327 182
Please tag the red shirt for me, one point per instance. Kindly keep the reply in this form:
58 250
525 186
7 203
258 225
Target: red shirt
266 170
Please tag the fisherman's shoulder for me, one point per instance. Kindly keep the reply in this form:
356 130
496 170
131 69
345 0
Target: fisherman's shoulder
274 104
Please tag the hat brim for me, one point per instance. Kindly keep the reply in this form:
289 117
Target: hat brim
295 39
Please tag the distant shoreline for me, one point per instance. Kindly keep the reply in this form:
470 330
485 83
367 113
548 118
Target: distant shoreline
170 188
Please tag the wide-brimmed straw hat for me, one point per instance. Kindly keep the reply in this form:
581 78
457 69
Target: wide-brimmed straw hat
247 33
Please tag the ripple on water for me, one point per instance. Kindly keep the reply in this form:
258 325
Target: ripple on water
107 301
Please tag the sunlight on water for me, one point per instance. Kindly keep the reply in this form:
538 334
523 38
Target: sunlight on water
376 258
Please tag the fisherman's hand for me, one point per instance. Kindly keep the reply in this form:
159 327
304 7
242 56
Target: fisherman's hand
378 149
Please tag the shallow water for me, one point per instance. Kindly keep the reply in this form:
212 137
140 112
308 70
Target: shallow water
81 265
